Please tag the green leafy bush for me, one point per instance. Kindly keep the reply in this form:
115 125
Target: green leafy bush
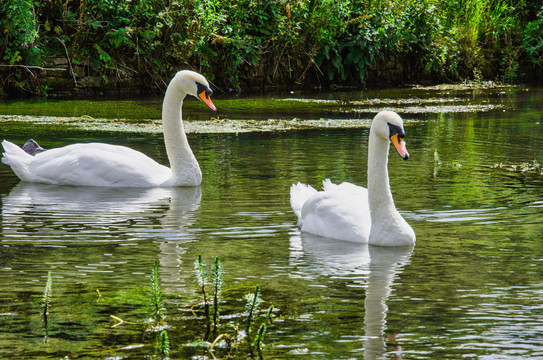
267 42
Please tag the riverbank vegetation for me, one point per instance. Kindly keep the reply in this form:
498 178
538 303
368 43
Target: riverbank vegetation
88 44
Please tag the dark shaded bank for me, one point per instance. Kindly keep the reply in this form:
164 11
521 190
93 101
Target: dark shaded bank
102 47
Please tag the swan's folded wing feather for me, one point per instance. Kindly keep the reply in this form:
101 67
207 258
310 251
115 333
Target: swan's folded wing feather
338 214
97 165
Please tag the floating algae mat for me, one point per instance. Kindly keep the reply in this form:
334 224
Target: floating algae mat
154 126
233 115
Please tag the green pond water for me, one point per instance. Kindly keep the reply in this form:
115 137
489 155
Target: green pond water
471 287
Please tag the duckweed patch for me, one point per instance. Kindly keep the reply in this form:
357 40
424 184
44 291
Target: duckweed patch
340 114
467 85
532 167
154 126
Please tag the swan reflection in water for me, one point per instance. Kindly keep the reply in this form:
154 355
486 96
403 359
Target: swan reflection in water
63 215
374 267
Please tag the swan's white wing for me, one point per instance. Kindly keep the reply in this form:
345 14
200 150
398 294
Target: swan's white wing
97 164
345 187
340 212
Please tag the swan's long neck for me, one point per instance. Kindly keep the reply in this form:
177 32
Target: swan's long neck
380 197
184 166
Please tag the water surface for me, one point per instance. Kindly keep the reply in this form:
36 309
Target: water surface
471 287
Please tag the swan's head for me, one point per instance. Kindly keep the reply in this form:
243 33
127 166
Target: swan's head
389 125
194 84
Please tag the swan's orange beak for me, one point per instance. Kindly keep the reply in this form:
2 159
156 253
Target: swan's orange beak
207 100
399 144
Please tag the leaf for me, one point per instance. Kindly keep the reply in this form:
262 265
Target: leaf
337 62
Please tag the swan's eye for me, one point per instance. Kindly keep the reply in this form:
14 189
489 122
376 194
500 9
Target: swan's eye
395 129
203 91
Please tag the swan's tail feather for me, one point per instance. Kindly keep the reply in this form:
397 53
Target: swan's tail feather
299 193
327 185
19 160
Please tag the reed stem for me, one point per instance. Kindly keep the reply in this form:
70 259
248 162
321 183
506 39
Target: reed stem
156 294
217 275
47 293
163 345
201 272
252 305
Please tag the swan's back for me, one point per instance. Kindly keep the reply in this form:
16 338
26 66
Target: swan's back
339 211
98 164
93 164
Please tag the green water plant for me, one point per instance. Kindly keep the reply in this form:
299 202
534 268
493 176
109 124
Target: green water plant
217 279
163 345
257 344
156 294
214 340
47 296
253 300
201 274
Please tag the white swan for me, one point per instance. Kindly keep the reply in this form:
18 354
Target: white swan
97 164
350 212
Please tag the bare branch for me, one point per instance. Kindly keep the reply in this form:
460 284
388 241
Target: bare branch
33 67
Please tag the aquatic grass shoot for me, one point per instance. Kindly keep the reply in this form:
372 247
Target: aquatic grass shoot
201 273
253 300
257 344
225 340
217 282
156 294
163 346
259 340
47 295
217 278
